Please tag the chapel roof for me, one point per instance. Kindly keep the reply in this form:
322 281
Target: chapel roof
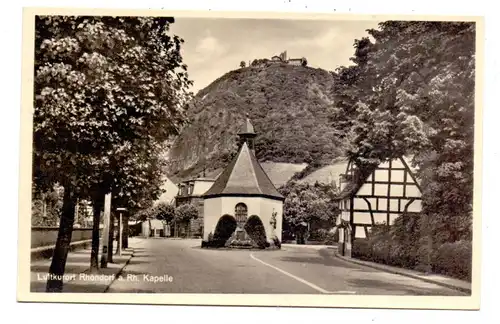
244 176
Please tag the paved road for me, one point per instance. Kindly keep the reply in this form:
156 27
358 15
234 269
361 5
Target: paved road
181 266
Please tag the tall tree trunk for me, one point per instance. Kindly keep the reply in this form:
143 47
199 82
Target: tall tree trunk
125 231
96 219
60 255
111 236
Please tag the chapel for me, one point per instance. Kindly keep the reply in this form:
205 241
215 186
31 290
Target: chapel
243 209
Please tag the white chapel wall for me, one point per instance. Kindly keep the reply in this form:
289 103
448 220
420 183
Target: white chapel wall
215 208
211 214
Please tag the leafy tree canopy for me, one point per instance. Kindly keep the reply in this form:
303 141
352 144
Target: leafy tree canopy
186 212
308 203
104 86
411 92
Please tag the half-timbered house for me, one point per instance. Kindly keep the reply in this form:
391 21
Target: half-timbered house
375 196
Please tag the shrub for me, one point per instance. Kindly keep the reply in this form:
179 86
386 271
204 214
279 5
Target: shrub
362 250
319 234
451 259
331 238
454 259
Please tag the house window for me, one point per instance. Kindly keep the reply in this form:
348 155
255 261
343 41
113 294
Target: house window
241 213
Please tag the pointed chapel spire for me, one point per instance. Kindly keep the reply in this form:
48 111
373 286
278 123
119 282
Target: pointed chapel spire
244 176
247 134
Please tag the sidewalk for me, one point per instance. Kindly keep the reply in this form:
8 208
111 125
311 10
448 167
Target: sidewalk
444 281
436 279
77 275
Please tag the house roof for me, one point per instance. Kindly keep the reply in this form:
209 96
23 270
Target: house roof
356 182
197 179
244 176
328 174
359 177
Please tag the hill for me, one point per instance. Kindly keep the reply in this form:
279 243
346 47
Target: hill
288 105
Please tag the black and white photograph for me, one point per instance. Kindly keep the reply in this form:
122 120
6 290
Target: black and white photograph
237 155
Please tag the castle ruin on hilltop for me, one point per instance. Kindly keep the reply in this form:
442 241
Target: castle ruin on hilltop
284 59
281 58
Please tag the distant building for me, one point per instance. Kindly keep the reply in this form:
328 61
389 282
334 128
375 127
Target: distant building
190 192
154 228
295 61
282 58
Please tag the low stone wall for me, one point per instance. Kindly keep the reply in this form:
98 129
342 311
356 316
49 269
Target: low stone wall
47 236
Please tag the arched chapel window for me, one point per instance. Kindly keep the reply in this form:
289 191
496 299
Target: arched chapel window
241 213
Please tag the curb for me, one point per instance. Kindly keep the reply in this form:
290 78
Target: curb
116 275
402 273
120 271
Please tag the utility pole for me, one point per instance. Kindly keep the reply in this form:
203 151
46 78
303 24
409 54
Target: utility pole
77 212
105 232
44 207
120 230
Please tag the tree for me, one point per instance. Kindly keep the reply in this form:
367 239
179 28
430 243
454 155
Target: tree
103 85
304 61
308 204
242 64
411 92
164 212
184 214
46 207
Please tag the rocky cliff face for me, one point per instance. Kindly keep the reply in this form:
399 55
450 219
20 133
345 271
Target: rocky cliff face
289 107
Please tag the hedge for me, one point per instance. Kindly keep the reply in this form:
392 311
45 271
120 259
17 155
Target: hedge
402 245
454 259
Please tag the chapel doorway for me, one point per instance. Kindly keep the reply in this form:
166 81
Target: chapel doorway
256 231
224 229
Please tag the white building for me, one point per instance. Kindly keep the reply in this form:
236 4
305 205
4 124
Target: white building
243 207
375 196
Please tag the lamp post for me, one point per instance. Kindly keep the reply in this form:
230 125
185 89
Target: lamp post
106 231
120 211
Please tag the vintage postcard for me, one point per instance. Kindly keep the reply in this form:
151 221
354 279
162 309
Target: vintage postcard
205 158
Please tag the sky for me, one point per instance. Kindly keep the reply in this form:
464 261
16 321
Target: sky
215 46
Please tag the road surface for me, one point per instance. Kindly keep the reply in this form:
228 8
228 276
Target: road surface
181 266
